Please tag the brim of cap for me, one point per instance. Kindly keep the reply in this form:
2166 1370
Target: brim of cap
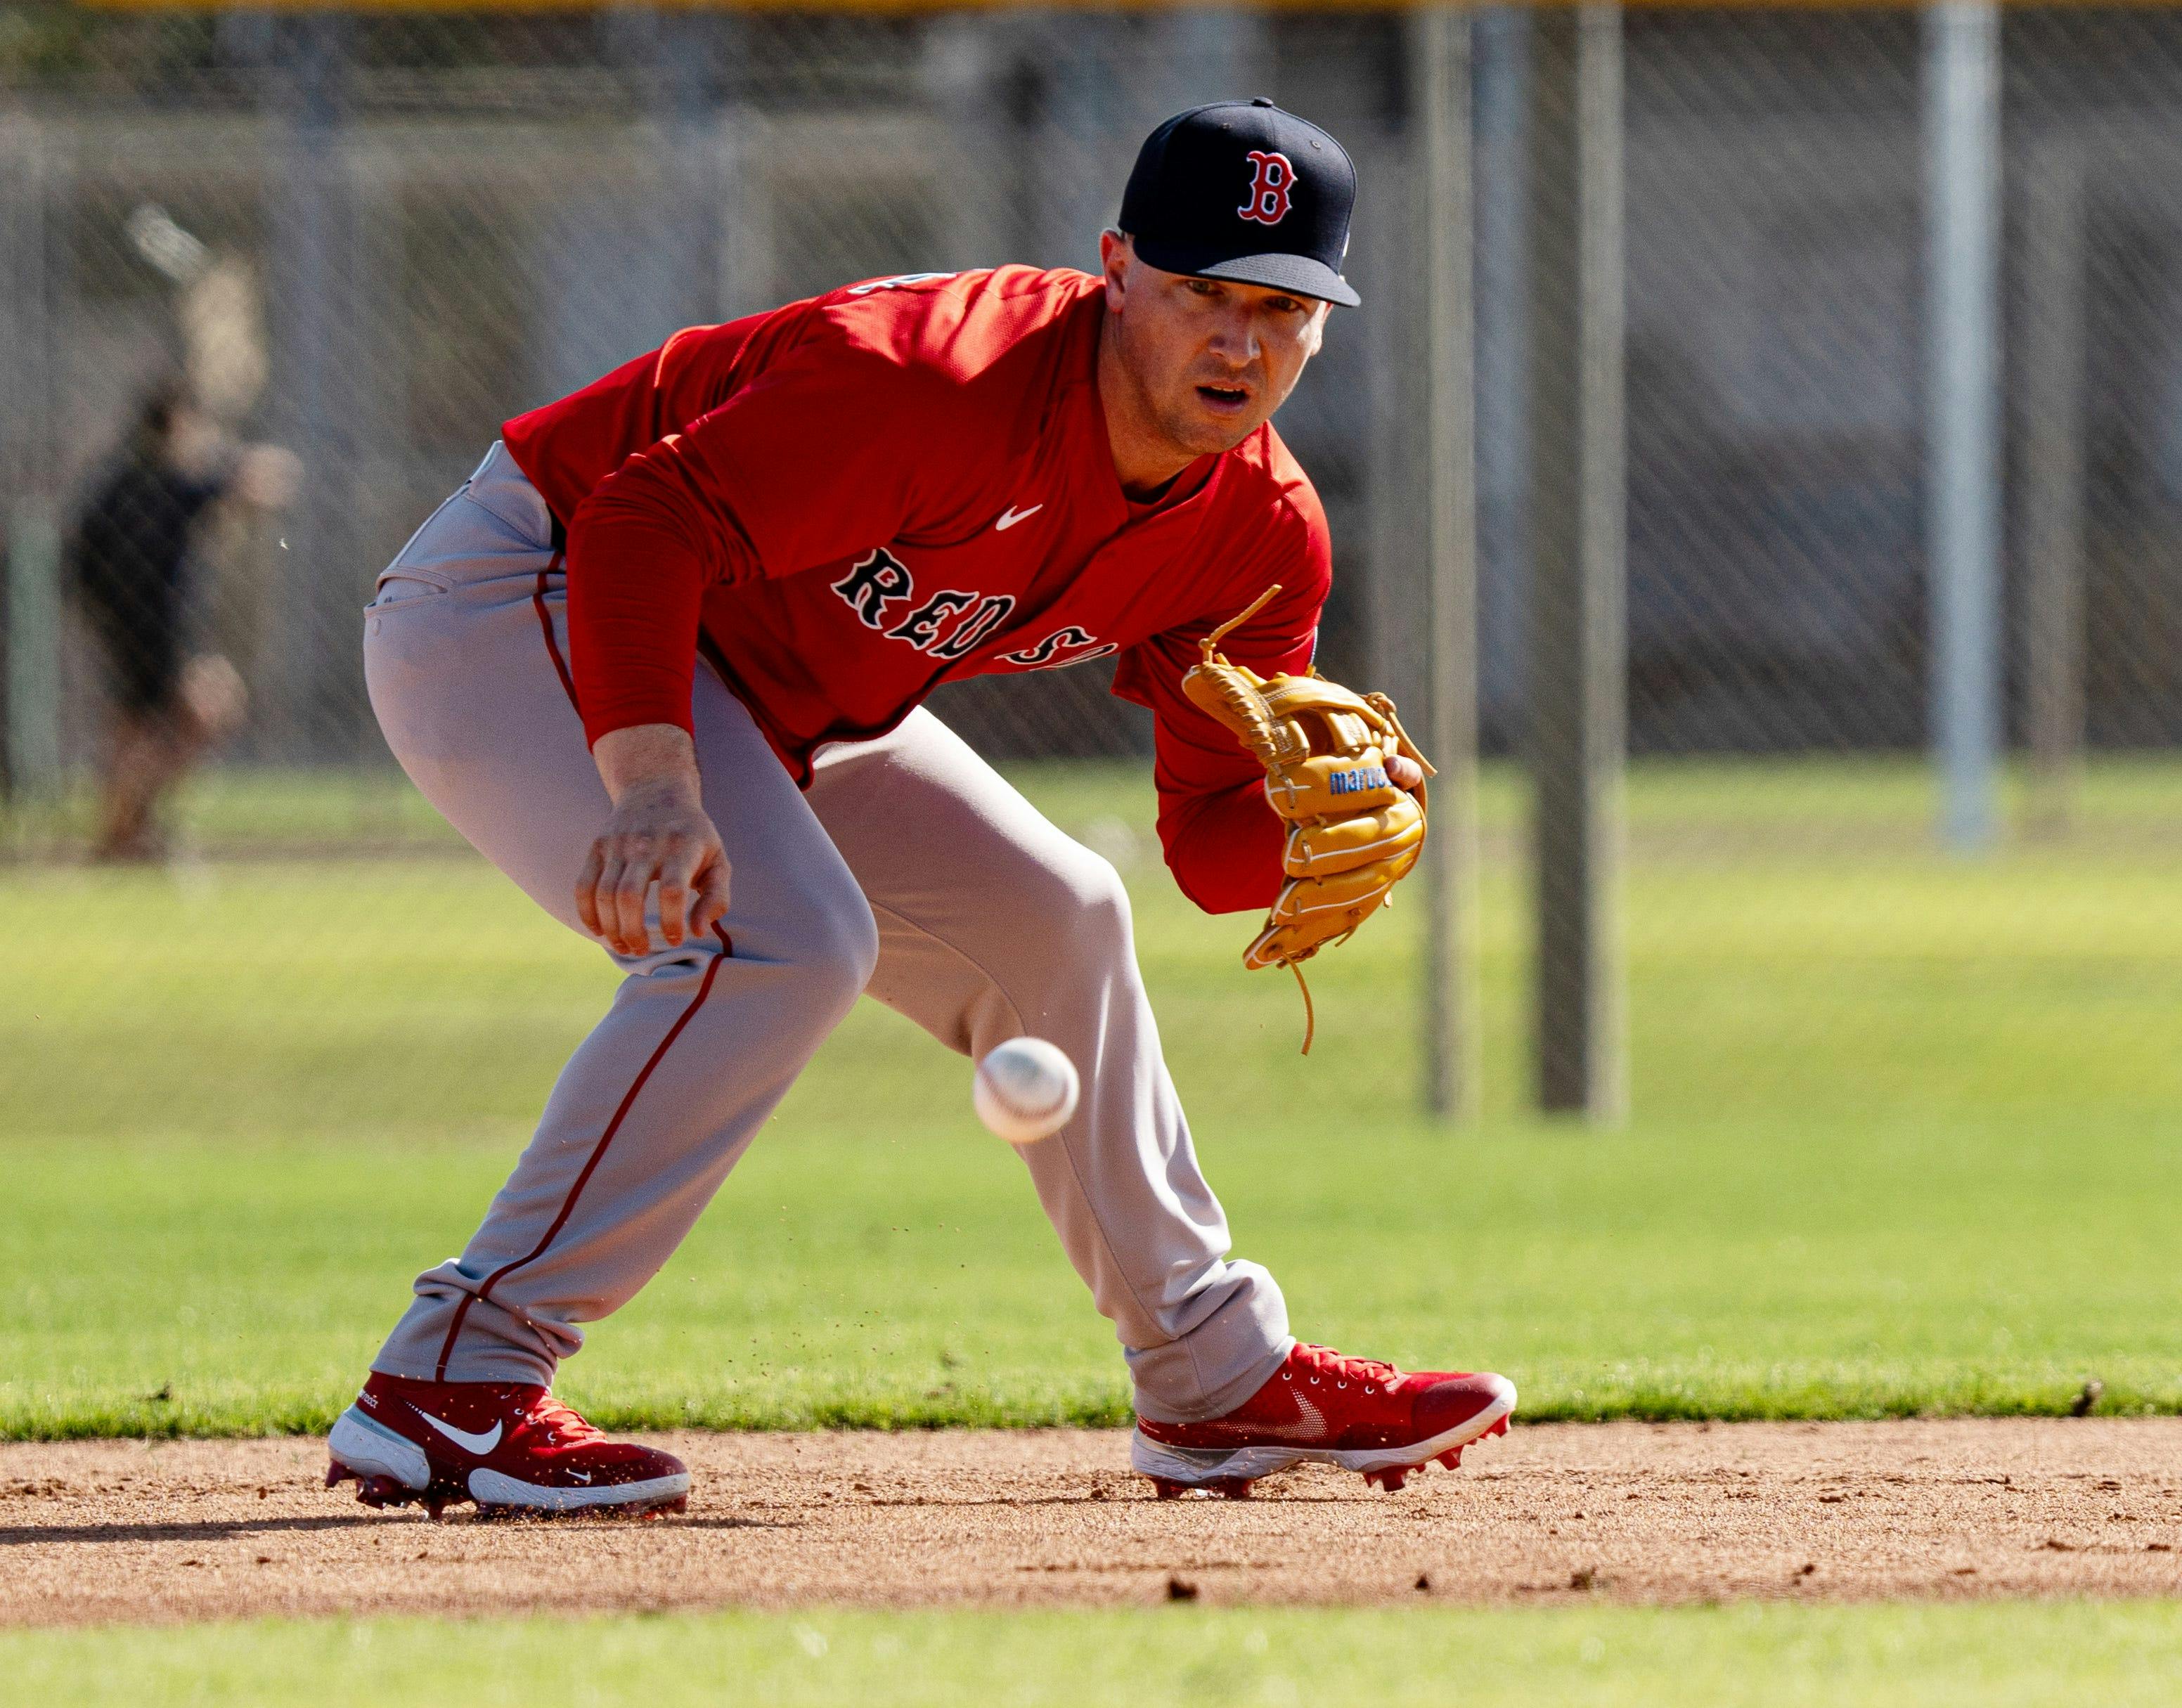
1276 272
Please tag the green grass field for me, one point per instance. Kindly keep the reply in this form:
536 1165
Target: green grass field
1905 1139
1992 1656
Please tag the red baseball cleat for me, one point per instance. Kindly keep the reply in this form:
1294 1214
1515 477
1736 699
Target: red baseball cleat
514 1450
1354 1412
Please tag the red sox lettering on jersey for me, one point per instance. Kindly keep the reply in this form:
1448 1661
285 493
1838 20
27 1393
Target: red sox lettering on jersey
1067 644
883 592
880 589
1269 189
847 502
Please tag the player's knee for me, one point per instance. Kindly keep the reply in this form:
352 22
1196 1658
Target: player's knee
851 951
835 946
1090 906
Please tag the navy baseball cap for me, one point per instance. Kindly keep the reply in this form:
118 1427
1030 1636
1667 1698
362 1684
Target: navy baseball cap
1241 189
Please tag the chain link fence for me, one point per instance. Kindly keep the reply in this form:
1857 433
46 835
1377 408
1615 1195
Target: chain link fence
363 241
369 240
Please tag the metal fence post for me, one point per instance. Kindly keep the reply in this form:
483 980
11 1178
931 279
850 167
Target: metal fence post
1962 156
1439 62
2051 415
1077 138
1577 523
31 598
316 339
968 67
32 601
1500 53
686 69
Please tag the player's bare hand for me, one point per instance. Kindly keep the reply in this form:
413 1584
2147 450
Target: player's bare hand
267 476
658 836
1405 772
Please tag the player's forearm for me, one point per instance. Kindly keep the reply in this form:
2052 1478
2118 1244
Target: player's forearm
658 760
1224 848
633 618
637 572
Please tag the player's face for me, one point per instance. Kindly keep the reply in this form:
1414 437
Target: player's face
192 438
1210 360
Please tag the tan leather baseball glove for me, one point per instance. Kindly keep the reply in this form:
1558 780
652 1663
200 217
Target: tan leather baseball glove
1351 834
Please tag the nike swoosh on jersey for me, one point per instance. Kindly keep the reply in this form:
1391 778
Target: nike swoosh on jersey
479 1445
1012 516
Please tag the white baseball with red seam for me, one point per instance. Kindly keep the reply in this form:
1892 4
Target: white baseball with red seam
1025 1089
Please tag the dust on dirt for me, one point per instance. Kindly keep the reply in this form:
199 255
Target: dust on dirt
122 1530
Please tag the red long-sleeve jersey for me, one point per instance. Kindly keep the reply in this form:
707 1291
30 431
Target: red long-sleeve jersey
848 500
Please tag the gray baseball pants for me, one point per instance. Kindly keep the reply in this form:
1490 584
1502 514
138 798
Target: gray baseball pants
910 869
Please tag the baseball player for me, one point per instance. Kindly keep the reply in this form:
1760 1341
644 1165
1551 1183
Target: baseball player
132 548
661 660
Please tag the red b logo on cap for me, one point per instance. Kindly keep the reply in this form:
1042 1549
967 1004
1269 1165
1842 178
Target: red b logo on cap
1268 203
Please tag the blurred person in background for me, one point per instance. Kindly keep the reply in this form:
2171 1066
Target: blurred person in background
131 547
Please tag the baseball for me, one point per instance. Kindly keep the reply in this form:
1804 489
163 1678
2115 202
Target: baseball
1025 1089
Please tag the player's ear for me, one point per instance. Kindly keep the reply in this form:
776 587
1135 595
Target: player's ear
1114 254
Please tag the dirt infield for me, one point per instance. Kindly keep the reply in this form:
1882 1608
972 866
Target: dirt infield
192 1530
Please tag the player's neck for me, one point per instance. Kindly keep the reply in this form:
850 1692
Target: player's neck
1145 459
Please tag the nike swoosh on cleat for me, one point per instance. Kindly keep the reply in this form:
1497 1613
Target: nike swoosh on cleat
1010 517
479 1445
1310 1427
